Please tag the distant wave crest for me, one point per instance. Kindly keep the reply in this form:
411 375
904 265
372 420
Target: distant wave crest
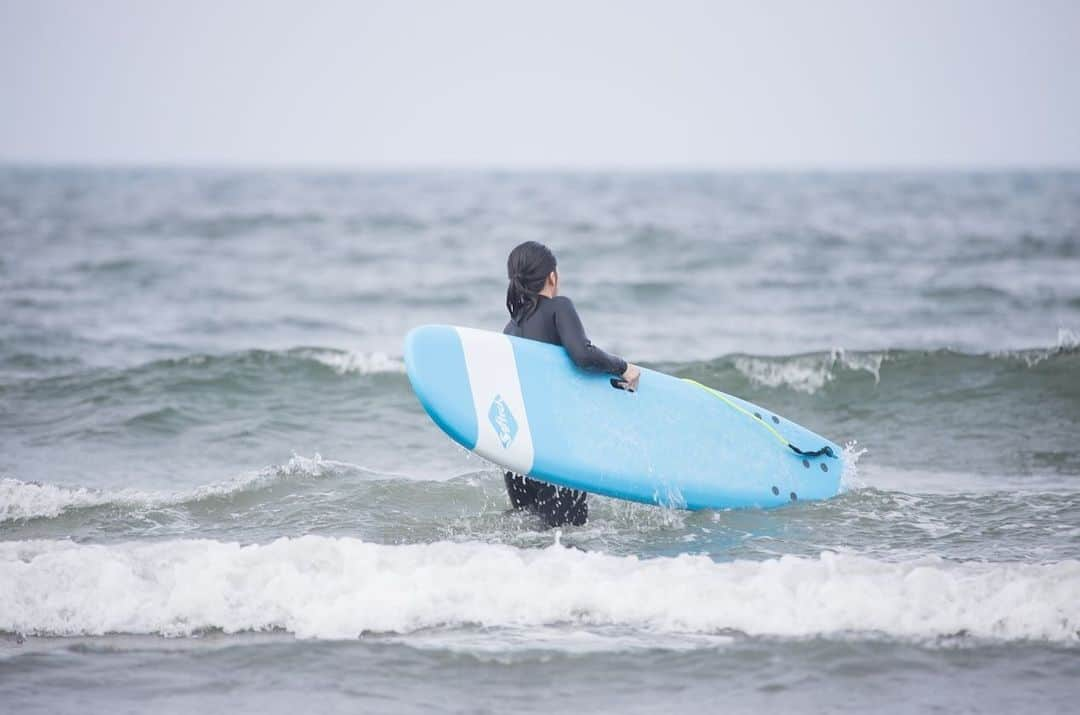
343 362
807 373
814 372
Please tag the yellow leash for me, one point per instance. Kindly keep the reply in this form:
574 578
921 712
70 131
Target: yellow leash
826 450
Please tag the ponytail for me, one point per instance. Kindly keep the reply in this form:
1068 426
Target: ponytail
527 267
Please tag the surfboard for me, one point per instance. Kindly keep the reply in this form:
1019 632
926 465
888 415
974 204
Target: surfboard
525 406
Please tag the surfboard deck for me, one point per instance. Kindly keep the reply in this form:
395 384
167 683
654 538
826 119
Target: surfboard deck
525 406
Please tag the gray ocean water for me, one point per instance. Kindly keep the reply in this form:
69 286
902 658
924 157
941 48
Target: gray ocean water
218 491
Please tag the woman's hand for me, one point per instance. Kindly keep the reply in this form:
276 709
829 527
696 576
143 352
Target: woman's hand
630 377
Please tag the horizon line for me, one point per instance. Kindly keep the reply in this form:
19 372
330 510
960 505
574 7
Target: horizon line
538 168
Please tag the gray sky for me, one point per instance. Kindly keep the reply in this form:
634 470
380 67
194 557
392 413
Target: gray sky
771 84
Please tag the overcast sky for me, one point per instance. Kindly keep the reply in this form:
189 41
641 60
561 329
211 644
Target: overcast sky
805 84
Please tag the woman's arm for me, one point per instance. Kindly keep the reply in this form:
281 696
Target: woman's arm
572 335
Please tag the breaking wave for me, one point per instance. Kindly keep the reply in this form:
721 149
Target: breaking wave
809 373
814 373
320 587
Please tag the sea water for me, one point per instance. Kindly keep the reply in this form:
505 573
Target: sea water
218 491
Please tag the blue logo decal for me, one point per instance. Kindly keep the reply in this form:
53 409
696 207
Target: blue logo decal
503 421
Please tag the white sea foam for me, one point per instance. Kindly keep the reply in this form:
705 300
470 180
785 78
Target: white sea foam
33 500
807 373
320 587
1067 339
359 363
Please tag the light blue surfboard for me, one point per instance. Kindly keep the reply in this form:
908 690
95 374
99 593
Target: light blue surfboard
525 406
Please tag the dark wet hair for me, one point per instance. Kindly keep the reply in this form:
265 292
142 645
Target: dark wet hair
527 267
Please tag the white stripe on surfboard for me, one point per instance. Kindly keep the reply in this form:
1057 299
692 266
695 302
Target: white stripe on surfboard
489 360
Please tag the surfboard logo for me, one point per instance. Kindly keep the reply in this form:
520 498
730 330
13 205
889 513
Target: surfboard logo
502 419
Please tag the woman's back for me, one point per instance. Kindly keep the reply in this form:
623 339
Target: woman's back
555 321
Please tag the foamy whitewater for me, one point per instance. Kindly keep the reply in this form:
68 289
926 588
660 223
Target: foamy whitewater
317 587
217 490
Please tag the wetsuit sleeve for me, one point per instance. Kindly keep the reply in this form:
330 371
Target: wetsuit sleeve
572 335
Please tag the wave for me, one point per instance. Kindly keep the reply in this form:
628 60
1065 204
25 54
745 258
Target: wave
173 395
340 361
807 373
22 501
897 402
26 501
812 373
343 362
320 587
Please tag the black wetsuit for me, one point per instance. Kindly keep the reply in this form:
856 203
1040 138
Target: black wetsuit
556 321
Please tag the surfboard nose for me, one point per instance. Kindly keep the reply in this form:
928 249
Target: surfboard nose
435 364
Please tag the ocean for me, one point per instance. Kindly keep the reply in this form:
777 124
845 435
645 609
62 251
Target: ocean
218 492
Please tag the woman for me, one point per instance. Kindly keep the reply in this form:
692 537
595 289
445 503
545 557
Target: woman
538 312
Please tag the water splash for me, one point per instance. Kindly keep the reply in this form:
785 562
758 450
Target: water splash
849 480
